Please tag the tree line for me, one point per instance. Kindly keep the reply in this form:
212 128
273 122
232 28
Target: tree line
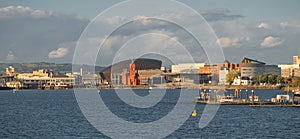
270 79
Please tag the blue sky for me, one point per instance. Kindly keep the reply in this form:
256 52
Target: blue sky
267 30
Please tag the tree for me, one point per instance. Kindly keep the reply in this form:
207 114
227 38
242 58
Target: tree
267 78
231 75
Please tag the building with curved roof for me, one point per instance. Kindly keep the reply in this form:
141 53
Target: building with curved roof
118 68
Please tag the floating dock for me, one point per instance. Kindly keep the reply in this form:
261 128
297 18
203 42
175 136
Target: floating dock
276 105
234 102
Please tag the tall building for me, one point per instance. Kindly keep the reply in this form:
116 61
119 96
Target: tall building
296 60
134 78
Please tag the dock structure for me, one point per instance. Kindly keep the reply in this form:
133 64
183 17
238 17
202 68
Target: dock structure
275 105
234 103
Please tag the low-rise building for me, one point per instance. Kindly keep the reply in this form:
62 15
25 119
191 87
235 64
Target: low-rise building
242 81
288 70
296 60
187 68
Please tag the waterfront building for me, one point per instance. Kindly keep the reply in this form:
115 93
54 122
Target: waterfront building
134 78
118 68
151 76
250 68
39 79
222 76
296 60
209 69
188 78
242 81
187 68
90 79
289 70
10 71
229 66
218 72
297 72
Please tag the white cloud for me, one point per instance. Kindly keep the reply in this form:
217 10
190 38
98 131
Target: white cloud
33 33
290 24
228 42
10 56
143 19
58 53
8 12
113 20
271 41
264 25
30 29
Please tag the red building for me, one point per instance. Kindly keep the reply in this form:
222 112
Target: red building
134 78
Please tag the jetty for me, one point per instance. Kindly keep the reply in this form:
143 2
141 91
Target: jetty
275 105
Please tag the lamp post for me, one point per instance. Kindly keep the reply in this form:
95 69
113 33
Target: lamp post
252 96
241 95
247 95
204 94
293 96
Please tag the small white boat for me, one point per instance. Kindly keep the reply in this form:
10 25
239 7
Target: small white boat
227 98
297 93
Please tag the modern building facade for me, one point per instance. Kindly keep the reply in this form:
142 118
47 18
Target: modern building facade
251 68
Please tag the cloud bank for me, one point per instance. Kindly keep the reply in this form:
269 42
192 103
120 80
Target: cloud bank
33 35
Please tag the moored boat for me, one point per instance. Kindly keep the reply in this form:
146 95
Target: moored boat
5 88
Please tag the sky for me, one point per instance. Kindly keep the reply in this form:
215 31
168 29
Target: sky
48 31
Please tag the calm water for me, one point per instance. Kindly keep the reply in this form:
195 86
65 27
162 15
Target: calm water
55 114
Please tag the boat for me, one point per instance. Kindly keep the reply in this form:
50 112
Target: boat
5 88
297 93
227 98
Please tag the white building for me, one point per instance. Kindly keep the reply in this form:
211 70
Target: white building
288 70
222 76
296 59
187 67
242 81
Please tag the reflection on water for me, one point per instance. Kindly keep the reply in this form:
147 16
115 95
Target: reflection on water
55 114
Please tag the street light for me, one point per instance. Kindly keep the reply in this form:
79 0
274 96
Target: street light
247 95
241 95
252 96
